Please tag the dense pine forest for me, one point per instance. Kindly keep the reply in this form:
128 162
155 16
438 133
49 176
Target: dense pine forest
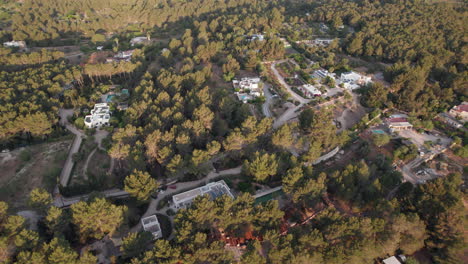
181 123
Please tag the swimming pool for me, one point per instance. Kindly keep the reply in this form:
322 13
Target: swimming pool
378 131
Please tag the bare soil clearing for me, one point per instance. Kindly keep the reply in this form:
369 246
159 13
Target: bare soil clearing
30 167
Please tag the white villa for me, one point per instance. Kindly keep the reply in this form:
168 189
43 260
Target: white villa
398 123
213 189
460 111
100 116
15 44
316 42
322 74
151 224
258 37
353 80
124 55
248 84
138 40
310 91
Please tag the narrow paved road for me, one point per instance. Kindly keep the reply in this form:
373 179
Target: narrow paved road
67 168
65 202
286 116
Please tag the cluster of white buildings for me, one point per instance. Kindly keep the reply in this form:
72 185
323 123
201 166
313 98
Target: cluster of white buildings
213 189
248 88
310 91
121 56
460 112
15 44
349 80
320 42
139 40
254 37
353 80
100 116
322 74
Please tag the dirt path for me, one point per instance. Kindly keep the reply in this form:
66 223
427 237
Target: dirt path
85 167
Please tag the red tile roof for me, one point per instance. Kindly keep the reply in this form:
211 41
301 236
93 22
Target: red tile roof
397 120
461 108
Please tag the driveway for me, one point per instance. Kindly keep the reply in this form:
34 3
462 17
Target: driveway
184 186
268 100
286 116
419 138
285 85
68 166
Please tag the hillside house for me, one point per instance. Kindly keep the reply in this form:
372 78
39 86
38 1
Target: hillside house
398 124
353 80
251 86
310 91
151 224
322 74
254 37
460 111
138 40
213 189
124 55
100 116
15 44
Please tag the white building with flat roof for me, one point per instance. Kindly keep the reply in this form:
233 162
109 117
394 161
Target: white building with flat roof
391 260
310 91
15 44
355 77
213 189
151 224
138 40
124 55
353 80
258 37
100 116
322 74
248 84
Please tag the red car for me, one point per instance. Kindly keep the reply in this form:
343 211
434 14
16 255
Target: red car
173 186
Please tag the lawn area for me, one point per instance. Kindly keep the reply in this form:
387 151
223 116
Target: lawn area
268 197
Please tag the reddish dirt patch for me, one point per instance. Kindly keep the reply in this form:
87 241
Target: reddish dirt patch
99 57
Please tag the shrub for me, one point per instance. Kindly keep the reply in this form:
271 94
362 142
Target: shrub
79 122
25 155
